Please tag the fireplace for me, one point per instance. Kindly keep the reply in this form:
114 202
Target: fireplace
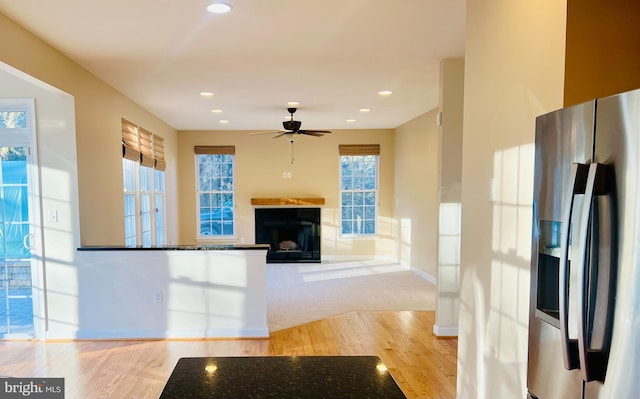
292 233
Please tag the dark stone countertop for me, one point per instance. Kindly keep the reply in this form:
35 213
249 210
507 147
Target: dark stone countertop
201 247
281 377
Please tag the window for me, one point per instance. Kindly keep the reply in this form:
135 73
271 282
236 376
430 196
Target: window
13 119
129 169
146 191
159 202
159 188
143 168
359 189
216 188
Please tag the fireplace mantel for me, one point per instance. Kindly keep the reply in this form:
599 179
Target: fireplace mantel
287 201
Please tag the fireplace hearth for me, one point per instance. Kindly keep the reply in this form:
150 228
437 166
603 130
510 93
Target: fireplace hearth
293 234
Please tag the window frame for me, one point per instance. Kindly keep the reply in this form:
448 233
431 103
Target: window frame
358 232
159 202
147 205
201 152
140 165
129 189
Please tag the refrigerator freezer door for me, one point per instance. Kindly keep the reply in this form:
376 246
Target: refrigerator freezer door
597 264
617 144
563 138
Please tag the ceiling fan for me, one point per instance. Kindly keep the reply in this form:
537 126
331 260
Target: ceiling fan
292 131
292 127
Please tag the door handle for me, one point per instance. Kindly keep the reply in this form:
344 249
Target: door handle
577 183
26 241
595 275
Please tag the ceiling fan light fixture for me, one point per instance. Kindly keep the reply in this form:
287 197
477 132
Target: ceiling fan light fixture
293 103
219 8
291 130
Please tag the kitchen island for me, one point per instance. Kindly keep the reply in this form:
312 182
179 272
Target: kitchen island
179 291
282 377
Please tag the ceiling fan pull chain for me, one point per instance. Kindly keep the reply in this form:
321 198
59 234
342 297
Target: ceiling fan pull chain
292 158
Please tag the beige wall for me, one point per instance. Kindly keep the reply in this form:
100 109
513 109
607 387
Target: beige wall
451 107
98 109
416 193
514 69
260 164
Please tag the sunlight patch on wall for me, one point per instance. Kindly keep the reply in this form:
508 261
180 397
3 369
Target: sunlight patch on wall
449 265
405 241
511 244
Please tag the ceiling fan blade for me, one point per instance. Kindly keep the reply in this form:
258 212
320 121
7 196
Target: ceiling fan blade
315 133
281 134
270 132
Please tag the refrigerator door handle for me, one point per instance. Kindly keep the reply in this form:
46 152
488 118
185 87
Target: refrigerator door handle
577 184
593 268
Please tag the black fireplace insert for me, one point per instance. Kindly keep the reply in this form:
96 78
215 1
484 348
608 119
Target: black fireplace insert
293 234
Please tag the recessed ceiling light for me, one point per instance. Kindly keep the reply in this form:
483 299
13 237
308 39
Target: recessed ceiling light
219 8
293 103
224 121
385 92
365 110
216 111
351 120
206 94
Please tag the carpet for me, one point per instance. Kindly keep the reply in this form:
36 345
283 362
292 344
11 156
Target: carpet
301 293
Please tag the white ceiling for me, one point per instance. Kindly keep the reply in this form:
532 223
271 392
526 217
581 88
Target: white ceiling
333 56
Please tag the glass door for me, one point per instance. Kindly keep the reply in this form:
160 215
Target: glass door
16 299
19 271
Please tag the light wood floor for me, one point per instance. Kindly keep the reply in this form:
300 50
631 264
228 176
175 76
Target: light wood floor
422 365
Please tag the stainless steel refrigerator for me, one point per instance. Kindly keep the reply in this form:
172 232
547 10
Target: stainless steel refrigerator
584 323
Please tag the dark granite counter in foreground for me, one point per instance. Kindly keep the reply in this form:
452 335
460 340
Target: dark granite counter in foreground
282 377
201 247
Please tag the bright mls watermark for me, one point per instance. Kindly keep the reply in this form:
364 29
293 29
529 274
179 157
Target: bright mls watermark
37 388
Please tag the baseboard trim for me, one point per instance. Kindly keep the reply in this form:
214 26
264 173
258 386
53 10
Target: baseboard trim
445 332
427 276
162 334
357 258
